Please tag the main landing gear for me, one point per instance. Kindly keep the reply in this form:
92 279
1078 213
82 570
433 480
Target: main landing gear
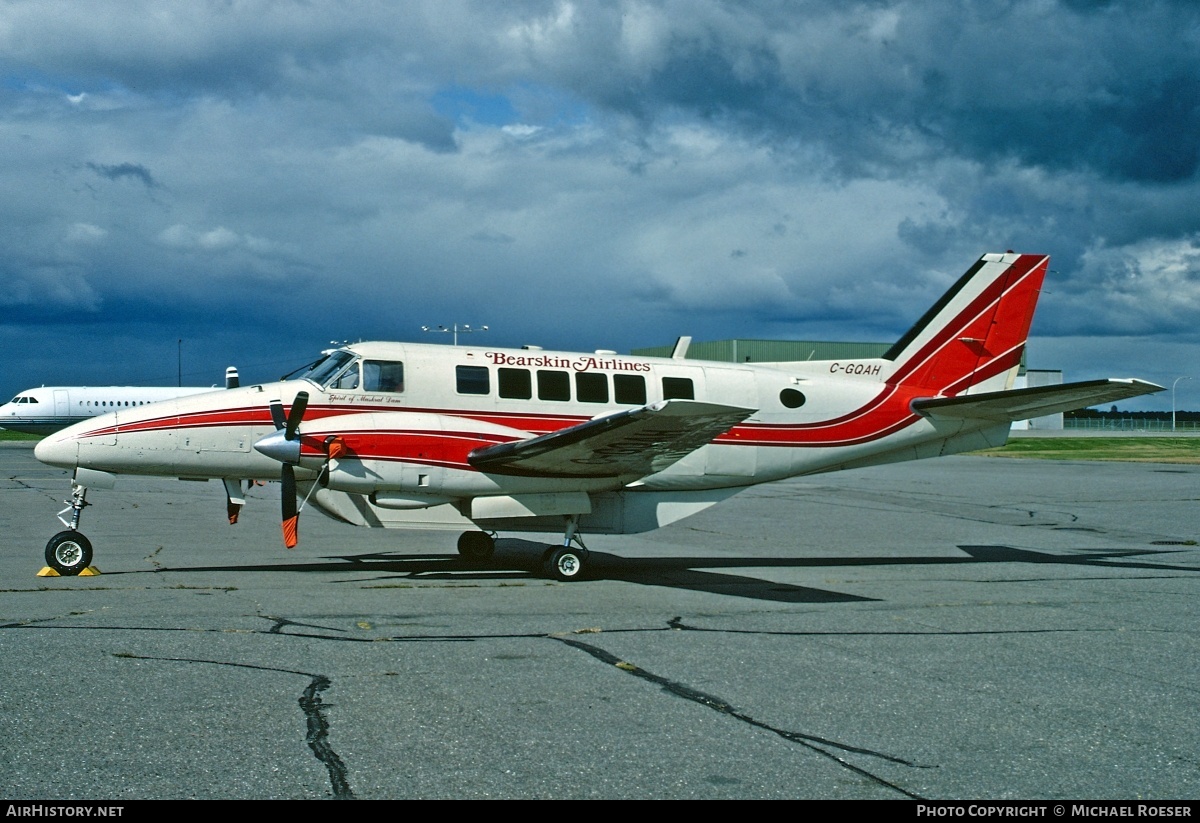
563 563
477 546
70 553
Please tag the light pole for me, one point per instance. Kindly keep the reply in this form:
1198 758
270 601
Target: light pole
455 329
1177 379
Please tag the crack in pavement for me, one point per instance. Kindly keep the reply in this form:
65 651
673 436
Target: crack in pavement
317 735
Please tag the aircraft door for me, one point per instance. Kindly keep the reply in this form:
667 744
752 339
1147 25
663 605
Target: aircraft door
62 403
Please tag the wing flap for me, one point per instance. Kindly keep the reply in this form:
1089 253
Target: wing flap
633 443
1023 404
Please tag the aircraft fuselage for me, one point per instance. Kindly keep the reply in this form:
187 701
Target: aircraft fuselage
454 399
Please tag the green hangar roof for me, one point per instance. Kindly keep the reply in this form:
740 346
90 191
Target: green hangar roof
770 351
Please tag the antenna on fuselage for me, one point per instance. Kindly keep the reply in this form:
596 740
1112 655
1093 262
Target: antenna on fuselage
456 329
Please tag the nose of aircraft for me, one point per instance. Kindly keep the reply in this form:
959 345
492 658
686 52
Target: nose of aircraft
57 449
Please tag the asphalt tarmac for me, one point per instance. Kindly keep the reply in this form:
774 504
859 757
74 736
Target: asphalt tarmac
963 628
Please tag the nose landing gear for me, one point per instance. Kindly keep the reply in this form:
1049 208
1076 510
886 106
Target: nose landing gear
69 553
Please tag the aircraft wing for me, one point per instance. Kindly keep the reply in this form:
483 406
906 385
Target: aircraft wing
1023 404
634 443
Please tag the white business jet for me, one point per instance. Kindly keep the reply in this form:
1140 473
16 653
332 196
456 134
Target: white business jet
48 409
483 440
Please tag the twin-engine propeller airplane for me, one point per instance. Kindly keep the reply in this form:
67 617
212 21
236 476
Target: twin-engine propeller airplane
403 435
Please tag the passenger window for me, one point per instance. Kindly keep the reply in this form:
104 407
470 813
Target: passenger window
591 387
554 385
381 376
629 389
473 379
514 384
678 388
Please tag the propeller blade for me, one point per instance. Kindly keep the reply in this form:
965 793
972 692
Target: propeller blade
277 414
299 405
291 517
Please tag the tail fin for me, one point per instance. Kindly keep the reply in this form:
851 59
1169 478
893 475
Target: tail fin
973 338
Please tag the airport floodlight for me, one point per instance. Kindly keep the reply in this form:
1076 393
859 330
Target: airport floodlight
1177 379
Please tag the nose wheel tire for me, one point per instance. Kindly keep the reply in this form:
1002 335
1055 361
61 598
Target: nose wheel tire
68 553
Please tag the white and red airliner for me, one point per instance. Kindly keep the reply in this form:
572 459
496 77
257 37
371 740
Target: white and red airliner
484 440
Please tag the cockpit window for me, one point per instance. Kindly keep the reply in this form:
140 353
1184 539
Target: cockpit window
346 380
325 370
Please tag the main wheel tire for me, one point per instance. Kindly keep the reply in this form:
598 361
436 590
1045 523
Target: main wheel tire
564 564
476 546
68 553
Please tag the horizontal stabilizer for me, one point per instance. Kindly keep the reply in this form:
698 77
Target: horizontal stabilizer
1038 401
632 444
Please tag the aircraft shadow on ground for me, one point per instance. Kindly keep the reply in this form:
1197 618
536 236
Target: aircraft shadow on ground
521 560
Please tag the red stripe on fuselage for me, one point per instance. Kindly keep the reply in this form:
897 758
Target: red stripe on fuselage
432 447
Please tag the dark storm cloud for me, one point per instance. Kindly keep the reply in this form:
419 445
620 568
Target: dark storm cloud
1113 88
132 170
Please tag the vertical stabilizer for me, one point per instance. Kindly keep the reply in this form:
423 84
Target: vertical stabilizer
973 338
